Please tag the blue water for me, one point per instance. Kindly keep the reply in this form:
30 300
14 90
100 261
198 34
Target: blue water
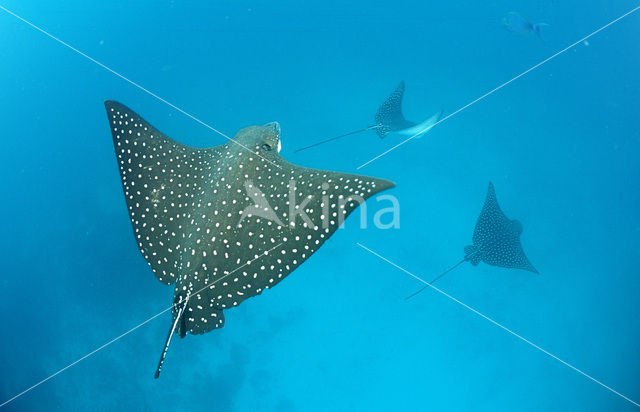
561 145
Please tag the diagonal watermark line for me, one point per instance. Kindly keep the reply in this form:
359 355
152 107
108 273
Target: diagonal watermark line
83 358
265 253
150 93
499 87
498 324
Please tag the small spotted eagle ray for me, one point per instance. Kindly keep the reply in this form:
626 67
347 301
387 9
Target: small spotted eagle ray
495 241
224 223
389 119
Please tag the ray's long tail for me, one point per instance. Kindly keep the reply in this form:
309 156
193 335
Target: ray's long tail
181 308
470 253
437 277
336 138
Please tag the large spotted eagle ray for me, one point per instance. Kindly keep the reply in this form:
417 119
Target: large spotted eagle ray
389 119
495 241
226 222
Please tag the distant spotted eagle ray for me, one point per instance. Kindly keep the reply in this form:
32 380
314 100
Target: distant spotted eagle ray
389 119
224 223
495 241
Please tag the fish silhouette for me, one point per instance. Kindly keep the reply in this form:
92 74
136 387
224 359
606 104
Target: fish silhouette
389 119
495 241
517 24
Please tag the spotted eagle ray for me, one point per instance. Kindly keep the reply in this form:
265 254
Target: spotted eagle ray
389 119
210 220
495 241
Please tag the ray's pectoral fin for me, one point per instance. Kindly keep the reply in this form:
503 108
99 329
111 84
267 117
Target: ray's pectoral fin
202 318
420 129
389 116
153 169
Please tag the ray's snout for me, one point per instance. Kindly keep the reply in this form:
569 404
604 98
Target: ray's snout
275 126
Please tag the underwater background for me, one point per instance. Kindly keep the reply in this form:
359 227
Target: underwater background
561 145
